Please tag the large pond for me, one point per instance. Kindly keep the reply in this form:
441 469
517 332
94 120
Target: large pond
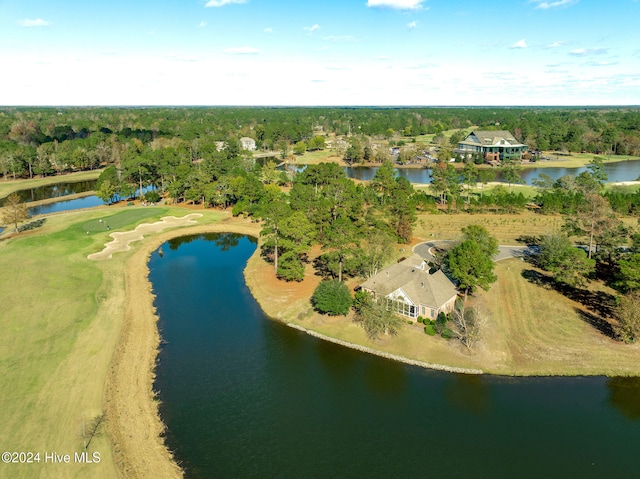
617 171
245 396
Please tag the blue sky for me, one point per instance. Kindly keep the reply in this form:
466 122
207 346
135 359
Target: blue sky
334 52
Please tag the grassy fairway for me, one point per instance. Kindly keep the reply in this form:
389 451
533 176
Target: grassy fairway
574 160
61 316
319 156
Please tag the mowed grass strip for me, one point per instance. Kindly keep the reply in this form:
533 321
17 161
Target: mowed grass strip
121 219
60 320
535 330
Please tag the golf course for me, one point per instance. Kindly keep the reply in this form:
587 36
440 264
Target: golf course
79 338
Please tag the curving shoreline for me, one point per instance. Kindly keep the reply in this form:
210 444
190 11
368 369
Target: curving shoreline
135 426
382 354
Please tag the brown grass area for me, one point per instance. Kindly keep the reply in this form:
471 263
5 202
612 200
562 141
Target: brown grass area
289 302
535 330
506 228
531 329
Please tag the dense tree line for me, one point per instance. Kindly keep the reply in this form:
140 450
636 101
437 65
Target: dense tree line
355 225
41 141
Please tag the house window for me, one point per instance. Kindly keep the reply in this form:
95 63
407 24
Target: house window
401 307
433 313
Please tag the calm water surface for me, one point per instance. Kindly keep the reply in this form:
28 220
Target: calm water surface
244 396
66 205
56 190
618 171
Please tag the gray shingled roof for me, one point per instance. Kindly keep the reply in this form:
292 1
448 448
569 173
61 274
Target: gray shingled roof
423 288
490 137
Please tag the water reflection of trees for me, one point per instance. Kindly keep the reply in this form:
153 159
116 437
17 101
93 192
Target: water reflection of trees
224 241
53 191
624 395
470 393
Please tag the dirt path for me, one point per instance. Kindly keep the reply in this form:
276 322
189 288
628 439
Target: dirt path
122 239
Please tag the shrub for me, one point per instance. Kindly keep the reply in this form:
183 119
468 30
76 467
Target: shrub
447 333
32 225
360 299
421 319
332 297
430 330
240 207
152 196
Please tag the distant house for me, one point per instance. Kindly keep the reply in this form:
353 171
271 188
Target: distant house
248 143
411 290
494 146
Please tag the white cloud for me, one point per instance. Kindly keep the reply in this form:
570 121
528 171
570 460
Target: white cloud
340 38
412 25
520 44
396 4
268 30
202 24
312 28
544 5
222 3
555 45
603 63
242 51
584 52
38 22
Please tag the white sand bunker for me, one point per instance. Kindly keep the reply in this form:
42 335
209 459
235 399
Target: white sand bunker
121 240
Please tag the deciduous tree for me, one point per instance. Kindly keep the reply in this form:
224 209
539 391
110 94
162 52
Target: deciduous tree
467 323
376 318
14 211
627 315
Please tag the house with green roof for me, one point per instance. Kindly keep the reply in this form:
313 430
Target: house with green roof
411 290
493 145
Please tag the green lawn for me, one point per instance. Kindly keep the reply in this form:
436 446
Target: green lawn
318 156
60 319
121 219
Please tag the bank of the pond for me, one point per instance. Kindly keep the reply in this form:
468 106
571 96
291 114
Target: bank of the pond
134 427
382 354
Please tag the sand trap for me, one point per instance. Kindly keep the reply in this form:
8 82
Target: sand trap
121 240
